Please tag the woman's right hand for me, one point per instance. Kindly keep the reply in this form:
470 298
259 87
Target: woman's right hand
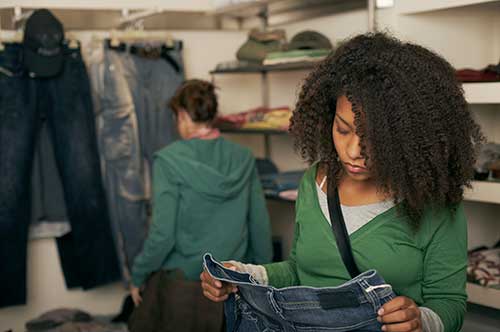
216 290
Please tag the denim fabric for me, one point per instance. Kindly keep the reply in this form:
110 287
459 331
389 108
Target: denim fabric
121 158
153 82
88 256
351 306
48 209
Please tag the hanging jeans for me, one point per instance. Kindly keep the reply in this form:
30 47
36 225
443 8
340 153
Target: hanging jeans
87 253
153 82
121 158
352 306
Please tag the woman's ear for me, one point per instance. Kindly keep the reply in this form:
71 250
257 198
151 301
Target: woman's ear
182 115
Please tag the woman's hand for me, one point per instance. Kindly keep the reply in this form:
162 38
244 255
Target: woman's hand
400 315
135 292
216 290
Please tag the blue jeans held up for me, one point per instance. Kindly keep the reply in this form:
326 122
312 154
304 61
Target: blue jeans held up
351 306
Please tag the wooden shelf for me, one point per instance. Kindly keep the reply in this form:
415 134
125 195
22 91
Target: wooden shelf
417 7
303 65
482 93
254 131
484 191
485 296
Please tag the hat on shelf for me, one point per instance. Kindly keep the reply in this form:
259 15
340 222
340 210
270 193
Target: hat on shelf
309 40
43 44
261 43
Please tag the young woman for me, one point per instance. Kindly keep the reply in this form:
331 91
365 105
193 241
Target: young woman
386 123
207 197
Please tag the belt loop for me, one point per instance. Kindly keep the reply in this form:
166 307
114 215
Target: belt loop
370 295
274 304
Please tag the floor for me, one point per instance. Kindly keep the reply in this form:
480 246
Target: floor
481 319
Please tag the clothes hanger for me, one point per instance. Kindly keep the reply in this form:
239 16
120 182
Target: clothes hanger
73 42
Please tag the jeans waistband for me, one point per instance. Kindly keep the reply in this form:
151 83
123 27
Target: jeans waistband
368 287
11 58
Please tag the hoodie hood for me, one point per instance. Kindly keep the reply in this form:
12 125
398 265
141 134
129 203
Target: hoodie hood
216 168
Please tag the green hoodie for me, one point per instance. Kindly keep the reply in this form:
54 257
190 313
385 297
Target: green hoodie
207 198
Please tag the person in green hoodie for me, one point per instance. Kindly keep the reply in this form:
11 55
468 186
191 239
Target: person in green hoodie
207 198
386 123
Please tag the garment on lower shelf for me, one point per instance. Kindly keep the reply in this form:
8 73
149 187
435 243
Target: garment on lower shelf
489 74
274 184
277 118
484 268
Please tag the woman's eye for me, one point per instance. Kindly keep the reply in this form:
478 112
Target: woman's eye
342 132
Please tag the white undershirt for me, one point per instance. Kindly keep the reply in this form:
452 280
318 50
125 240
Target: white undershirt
355 217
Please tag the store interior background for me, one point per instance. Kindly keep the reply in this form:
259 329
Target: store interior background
466 33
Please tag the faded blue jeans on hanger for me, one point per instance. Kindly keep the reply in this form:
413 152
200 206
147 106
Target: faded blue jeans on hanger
121 156
351 306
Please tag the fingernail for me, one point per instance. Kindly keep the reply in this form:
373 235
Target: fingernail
384 328
232 268
380 312
218 284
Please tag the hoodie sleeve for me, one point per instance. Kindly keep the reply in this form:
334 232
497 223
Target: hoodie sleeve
160 240
260 246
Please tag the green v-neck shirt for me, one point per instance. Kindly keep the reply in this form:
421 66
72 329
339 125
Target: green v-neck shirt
428 265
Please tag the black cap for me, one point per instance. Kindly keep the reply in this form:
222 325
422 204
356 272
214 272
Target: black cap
309 40
43 41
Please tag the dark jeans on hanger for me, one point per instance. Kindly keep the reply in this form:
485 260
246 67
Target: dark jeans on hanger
87 253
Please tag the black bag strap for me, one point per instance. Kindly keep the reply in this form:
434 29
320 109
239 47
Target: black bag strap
340 231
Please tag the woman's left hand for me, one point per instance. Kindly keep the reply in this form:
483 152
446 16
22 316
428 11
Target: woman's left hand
135 292
401 314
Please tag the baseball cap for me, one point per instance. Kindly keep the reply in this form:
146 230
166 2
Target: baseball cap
42 44
309 40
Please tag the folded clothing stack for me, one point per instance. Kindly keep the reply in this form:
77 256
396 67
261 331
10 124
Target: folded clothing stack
277 118
277 184
488 162
305 46
489 74
271 48
484 267
276 58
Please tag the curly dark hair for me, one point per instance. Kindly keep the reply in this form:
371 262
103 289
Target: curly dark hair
197 98
409 108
